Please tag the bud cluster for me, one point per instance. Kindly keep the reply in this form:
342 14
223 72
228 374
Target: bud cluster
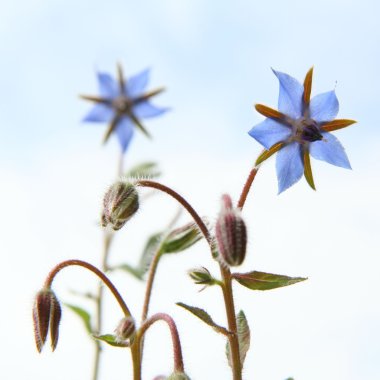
120 203
46 315
230 234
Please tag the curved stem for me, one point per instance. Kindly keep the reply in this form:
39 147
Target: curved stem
177 351
93 269
247 187
197 219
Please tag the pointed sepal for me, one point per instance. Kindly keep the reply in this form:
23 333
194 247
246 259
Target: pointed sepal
307 169
307 84
268 153
336 124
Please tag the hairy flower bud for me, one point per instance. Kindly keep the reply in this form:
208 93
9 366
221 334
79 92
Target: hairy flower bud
120 203
231 234
201 276
125 329
46 315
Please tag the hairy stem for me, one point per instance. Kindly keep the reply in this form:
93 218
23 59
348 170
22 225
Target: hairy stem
231 319
177 351
197 219
247 187
93 269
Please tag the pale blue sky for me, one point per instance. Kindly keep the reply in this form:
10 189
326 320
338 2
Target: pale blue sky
215 59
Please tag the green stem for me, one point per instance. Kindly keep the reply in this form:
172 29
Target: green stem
136 358
149 283
99 305
231 319
227 285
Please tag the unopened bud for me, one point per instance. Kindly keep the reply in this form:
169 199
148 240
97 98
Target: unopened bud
46 315
125 330
178 376
231 234
201 276
120 203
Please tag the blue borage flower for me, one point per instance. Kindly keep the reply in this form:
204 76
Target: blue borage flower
122 103
298 129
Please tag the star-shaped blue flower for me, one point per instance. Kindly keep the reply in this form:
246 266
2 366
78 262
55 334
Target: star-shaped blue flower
301 127
122 103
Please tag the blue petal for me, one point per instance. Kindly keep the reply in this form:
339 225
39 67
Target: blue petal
145 109
136 84
124 131
324 107
289 166
330 150
290 97
270 132
100 113
108 87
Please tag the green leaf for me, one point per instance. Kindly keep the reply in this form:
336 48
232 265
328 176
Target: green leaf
181 238
144 170
83 314
110 339
204 316
265 281
244 337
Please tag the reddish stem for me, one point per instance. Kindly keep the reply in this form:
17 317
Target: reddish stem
93 269
177 351
247 187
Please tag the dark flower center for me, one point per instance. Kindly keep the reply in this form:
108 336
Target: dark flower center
307 130
122 104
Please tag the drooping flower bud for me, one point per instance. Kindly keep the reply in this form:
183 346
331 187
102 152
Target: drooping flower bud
231 234
120 203
201 276
125 329
46 315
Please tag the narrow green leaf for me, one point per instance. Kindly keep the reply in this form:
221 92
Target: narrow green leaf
204 316
244 337
144 170
110 339
83 314
265 281
181 238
